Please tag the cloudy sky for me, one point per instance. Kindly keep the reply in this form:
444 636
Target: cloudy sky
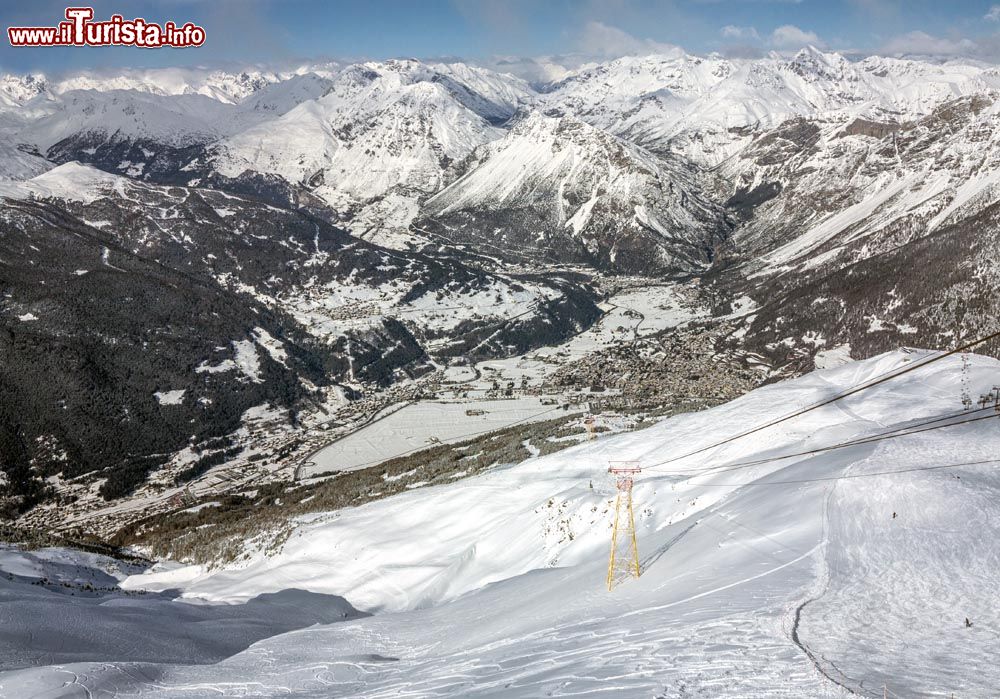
268 31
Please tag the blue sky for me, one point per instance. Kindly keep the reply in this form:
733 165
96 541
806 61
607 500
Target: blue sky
269 31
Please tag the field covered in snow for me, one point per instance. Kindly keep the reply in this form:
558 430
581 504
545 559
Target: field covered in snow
824 574
422 425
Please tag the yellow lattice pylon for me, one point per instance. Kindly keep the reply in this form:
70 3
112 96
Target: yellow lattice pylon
624 560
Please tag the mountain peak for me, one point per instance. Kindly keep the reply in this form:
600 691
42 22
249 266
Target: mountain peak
811 61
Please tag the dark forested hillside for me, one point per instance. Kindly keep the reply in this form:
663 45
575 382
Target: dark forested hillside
89 333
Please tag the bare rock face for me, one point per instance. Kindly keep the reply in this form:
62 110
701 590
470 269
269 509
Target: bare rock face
872 129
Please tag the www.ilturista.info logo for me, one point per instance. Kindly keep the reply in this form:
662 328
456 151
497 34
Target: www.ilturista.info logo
80 30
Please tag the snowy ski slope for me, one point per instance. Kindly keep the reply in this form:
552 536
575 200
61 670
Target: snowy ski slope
789 578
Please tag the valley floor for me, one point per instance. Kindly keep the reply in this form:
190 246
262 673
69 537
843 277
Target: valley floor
828 574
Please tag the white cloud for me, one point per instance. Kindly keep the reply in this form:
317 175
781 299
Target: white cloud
789 36
599 39
993 15
733 32
922 43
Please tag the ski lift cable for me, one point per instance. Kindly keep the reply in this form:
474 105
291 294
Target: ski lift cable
880 436
880 379
851 476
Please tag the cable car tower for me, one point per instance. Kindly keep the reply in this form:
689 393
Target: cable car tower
624 561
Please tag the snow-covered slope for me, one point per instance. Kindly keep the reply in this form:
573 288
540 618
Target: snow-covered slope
177 120
69 182
789 578
572 193
68 608
493 96
17 163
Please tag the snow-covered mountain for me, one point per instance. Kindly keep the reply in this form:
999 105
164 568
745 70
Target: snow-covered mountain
698 105
817 161
560 190
131 115
135 133
382 138
278 98
375 140
868 233
221 85
847 180
494 96
614 177
142 133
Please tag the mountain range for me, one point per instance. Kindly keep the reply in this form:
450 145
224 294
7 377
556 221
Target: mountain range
324 232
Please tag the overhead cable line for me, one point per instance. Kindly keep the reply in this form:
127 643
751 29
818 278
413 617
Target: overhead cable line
881 436
878 380
850 476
